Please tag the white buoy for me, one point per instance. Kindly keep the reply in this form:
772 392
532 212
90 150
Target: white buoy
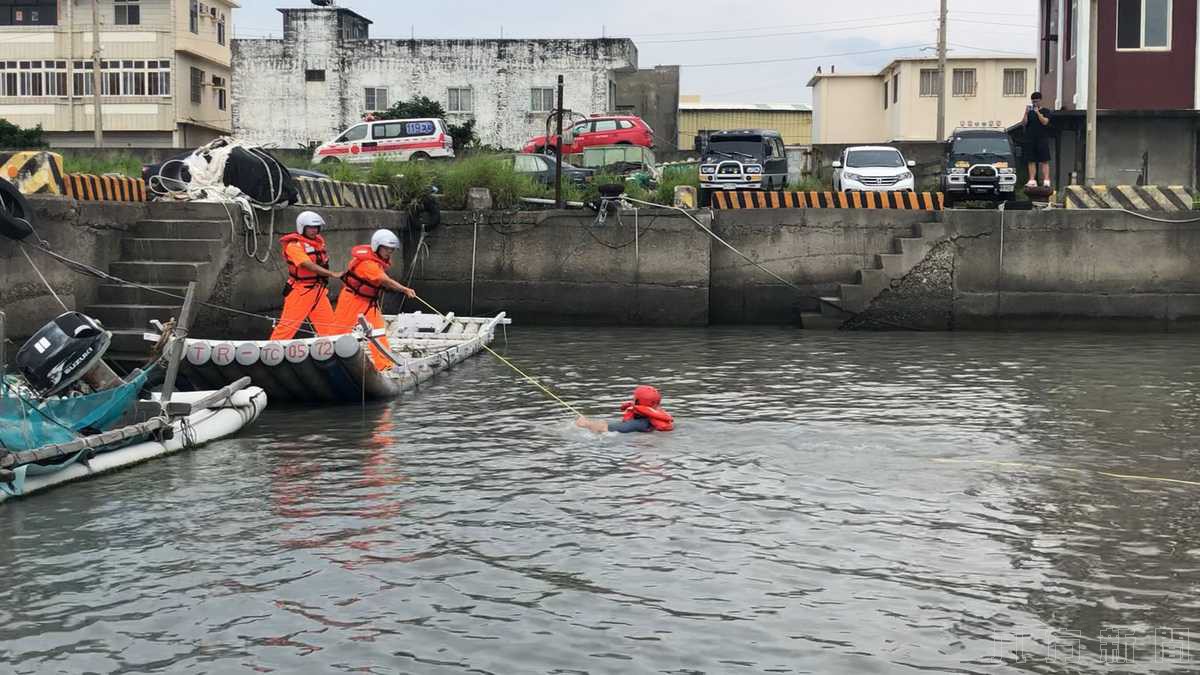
296 352
224 353
346 346
198 352
271 354
247 353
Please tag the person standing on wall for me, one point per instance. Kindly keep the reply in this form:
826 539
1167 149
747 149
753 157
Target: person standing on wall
1037 140
305 296
363 285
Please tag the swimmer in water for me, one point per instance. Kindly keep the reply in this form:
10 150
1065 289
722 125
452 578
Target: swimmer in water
643 413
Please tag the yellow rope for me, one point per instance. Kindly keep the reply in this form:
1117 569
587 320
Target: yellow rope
510 364
1108 474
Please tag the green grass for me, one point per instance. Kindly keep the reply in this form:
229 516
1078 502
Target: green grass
113 162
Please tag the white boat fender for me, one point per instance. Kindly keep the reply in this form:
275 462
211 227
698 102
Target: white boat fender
346 346
322 349
247 354
296 352
198 352
224 353
272 354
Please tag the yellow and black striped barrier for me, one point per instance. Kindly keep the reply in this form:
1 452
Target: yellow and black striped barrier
33 171
911 201
322 192
1130 197
92 188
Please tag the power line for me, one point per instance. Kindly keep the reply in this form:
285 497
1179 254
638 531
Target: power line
768 35
813 57
988 49
837 22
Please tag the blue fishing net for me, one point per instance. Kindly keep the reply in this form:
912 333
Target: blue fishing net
26 424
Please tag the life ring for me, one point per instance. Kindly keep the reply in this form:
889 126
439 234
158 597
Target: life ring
15 213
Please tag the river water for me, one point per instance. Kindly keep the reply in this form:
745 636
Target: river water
830 503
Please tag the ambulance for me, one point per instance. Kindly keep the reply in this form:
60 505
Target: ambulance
395 140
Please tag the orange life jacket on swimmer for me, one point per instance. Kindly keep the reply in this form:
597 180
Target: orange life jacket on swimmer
645 403
315 248
361 286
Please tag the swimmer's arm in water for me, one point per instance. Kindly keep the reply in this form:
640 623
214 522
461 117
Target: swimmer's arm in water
600 426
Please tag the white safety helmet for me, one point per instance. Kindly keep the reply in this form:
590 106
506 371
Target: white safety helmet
384 238
309 219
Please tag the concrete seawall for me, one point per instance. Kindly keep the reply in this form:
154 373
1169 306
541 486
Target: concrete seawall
1055 269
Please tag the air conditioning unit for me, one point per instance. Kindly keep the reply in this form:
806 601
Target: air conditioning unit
203 8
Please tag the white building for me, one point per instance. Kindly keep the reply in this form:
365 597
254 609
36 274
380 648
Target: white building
165 70
326 73
899 102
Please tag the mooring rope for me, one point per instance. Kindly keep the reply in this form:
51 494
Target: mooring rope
512 365
1056 469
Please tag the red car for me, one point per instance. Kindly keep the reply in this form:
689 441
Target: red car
610 130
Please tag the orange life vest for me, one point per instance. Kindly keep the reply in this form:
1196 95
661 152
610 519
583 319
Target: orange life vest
660 419
315 248
361 286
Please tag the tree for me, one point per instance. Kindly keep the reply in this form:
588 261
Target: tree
423 106
13 137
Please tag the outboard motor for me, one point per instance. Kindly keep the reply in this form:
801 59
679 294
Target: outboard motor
63 351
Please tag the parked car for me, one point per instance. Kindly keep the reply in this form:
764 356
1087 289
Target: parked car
631 162
744 159
980 165
541 169
872 168
397 140
610 130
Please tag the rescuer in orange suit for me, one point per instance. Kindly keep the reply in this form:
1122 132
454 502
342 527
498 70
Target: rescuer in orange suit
363 285
305 296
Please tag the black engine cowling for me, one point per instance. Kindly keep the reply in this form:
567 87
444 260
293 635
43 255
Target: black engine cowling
63 351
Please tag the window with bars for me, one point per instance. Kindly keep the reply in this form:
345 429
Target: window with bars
221 30
459 100
1014 81
314 75
885 95
931 84
964 82
896 88
541 99
128 12
33 78
218 84
197 86
376 99
194 17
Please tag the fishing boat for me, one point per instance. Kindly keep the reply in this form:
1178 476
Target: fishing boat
65 416
339 369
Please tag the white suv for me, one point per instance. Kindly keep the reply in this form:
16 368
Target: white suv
872 168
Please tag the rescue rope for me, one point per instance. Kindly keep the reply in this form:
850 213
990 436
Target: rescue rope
512 365
1058 469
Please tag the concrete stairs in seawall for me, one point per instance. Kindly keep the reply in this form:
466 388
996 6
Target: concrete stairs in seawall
160 254
907 253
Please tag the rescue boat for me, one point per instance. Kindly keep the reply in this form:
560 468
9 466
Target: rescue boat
339 369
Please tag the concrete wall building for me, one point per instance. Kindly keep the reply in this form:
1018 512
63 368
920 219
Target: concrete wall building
696 118
899 103
653 95
327 72
1148 88
165 70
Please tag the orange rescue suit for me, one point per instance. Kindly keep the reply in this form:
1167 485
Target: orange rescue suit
362 292
304 296
660 419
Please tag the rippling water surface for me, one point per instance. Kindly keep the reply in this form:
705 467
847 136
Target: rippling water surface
829 504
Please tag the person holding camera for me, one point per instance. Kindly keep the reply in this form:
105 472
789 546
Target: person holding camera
1037 140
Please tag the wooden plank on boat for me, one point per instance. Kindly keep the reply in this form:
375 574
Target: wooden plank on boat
219 396
64 450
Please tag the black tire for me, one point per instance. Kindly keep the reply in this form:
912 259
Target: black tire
549 150
418 157
429 215
16 216
330 160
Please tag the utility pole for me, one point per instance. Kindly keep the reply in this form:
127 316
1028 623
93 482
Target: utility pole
1093 90
558 149
97 117
941 94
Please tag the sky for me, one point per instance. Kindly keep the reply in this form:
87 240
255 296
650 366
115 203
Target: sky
774 48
